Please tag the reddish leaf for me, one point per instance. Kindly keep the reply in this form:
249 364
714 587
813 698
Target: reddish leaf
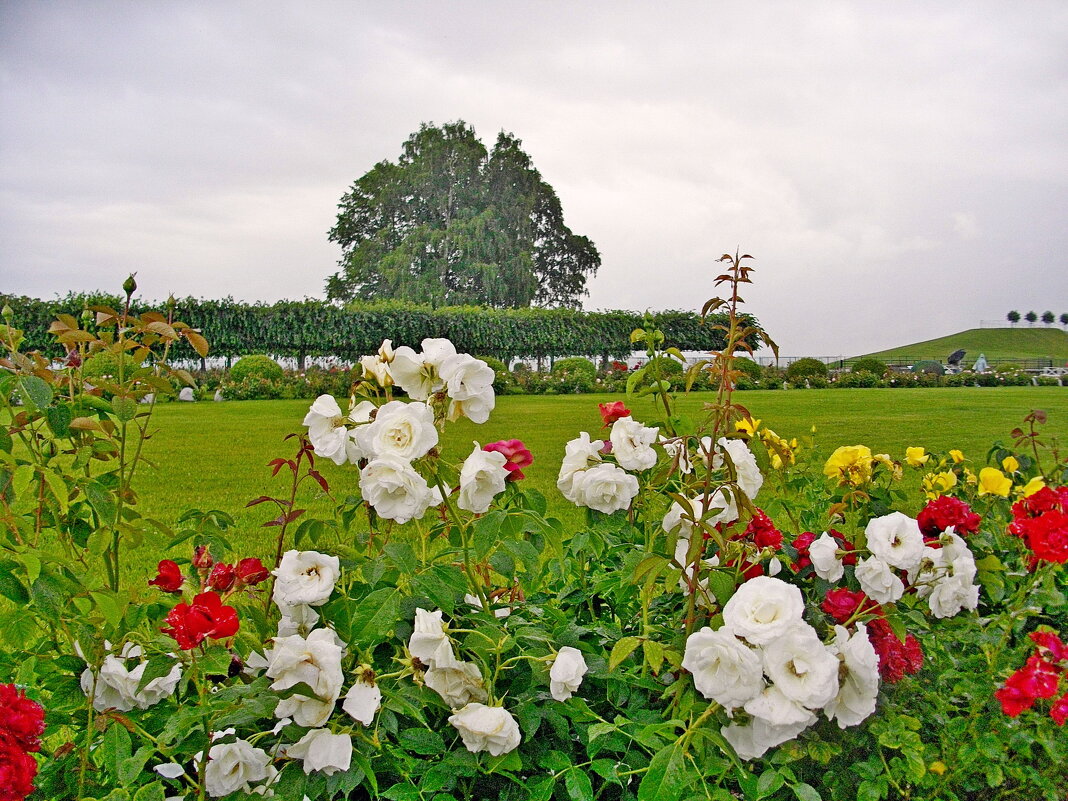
318 477
259 500
293 514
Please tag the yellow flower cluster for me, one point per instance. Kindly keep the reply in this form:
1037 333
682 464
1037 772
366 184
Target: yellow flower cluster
781 452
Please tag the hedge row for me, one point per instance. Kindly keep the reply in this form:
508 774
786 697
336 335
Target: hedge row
305 328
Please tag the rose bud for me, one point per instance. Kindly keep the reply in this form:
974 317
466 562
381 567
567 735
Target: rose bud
251 571
202 558
222 577
169 576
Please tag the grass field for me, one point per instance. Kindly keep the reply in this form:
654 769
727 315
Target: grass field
994 343
214 456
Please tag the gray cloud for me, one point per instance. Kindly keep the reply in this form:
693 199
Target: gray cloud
900 172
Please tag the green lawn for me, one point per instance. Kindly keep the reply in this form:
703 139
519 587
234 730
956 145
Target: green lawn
995 343
214 456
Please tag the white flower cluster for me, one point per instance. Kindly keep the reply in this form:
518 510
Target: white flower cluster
400 432
944 576
460 684
767 660
586 479
114 685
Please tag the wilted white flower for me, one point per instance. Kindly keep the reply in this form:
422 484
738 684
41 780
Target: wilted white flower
362 701
486 728
169 770
675 448
825 561
395 489
305 577
469 384
763 608
500 611
632 444
235 766
752 741
299 619
429 642
320 750
606 488
482 478
724 669
314 661
878 581
402 430
327 431
858 677
566 674
458 683
896 539
682 518
116 683
375 368
579 454
801 667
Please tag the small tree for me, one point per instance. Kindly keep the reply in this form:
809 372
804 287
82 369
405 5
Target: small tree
1064 319
1013 317
1030 317
1047 317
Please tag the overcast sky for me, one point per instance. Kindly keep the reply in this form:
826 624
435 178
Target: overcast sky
899 170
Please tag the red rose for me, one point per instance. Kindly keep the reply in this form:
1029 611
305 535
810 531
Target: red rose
943 512
221 578
1059 710
1048 641
610 412
1047 536
517 455
896 658
169 576
801 544
202 558
189 624
251 571
1013 701
763 531
842 604
17 770
21 718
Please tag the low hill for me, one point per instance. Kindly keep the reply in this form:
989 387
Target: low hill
997 344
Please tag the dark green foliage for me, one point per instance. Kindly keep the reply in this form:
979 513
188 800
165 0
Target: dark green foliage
101 364
805 368
929 367
450 223
574 374
753 370
256 368
869 365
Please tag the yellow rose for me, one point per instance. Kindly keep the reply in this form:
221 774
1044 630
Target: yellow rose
850 464
969 477
916 457
993 482
957 456
747 426
1009 464
1032 486
935 484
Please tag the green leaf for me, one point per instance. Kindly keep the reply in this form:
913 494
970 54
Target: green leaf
403 556
124 408
769 781
151 792
654 655
487 529
666 778
111 605
11 587
159 665
578 785
35 392
422 741
621 650
131 768
59 418
375 616
102 501
806 792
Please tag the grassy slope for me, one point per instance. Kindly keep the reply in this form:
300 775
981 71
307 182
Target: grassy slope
995 343
214 456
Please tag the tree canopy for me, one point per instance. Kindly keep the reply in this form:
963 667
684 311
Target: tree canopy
451 223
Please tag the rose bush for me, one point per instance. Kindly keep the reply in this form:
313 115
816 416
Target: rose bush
443 637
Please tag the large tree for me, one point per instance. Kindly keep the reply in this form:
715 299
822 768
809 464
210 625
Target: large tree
452 224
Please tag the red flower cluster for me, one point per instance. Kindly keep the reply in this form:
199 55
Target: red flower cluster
1040 677
217 576
1041 520
842 604
206 616
517 455
943 512
896 658
21 726
610 412
763 532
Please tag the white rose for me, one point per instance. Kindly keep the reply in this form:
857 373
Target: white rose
749 477
412 374
395 489
299 619
500 611
825 561
315 661
323 751
429 642
724 669
469 383
605 488
402 430
305 577
878 581
896 539
486 728
675 448
458 683
763 608
753 740
235 766
305 710
116 683
631 444
482 478
157 689
566 674
326 429
773 706
858 677
375 368
362 701
801 667
436 351
579 454
682 518
952 594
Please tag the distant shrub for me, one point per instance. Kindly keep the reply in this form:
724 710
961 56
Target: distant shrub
749 367
573 374
256 367
805 368
575 364
101 364
869 365
1007 367
857 380
929 367
1047 381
